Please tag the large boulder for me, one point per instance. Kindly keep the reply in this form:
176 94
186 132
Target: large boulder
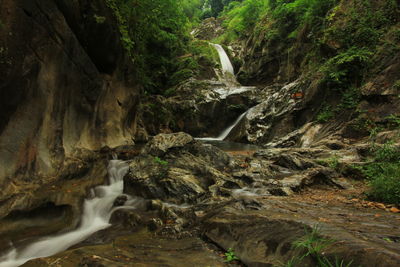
177 169
161 143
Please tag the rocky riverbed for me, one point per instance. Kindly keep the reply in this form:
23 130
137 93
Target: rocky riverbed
195 201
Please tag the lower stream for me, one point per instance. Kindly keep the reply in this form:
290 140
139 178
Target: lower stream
97 211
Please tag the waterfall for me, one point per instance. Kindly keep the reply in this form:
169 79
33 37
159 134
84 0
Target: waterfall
96 214
225 132
233 87
225 62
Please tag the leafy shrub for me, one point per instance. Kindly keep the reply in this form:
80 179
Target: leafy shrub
345 68
384 173
155 33
325 115
384 182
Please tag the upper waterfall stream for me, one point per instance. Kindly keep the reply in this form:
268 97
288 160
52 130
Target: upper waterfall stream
96 215
225 62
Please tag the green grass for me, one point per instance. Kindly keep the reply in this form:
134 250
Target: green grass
230 255
313 245
160 161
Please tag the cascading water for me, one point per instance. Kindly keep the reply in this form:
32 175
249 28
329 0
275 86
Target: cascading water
233 87
225 62
96 214
226 132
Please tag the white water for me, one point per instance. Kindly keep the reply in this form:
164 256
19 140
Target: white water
233 88
96 214
226 132
225 62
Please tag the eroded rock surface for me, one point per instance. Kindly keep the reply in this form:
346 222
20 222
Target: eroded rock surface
61 89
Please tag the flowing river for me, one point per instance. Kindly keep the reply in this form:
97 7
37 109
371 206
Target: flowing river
97 211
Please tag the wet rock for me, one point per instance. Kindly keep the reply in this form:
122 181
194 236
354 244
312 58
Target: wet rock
161 143
272 118
120 201
185 175
155 224
209 29
129 219
141 248
66 194
264 236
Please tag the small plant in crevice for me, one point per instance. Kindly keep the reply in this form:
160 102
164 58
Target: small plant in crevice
230 255
393 121
160 161
325 115
313 245
331 162
99 19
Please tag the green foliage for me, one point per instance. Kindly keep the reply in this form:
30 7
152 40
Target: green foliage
240 17
313 245
347 67
333 162
99 19
394 121
325 115
365 23
312 242
396 84
192 9
299 13
160 161
383 173
213 8
230 255
155 33
387 239
350 98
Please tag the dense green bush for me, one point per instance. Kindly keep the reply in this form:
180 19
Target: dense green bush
383 173
156 33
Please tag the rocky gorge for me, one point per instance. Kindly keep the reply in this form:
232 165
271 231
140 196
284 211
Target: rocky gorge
214 173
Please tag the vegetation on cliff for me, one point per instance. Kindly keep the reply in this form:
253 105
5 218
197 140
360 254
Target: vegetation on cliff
339 46
334 44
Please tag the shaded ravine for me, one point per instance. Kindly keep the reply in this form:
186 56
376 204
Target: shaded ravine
97 211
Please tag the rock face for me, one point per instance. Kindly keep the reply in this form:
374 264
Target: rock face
65 82
209 29
201 108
